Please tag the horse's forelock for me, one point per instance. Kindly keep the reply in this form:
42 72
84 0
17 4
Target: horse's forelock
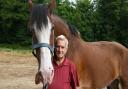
39 16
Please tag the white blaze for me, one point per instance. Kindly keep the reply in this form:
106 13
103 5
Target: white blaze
43 36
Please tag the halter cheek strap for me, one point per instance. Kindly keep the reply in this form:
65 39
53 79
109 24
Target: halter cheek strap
35 46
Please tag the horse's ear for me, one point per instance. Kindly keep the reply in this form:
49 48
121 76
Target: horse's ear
30 4
52 5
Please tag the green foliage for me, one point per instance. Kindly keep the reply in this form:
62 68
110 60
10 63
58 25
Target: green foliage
100 20
123 22
78 15
111 13
85 10
14 16
109 18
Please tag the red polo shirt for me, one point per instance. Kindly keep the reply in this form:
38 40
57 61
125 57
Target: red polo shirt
65 76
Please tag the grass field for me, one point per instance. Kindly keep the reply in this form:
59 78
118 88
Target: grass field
17 69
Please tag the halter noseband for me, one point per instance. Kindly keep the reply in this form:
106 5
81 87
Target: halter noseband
35 46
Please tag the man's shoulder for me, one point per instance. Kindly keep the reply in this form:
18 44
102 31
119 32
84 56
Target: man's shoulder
68 61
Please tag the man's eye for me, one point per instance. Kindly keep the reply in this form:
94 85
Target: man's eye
62 47
57 46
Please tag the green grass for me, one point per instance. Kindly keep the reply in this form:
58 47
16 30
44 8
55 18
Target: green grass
15 48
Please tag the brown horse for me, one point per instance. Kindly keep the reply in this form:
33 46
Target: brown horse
98 63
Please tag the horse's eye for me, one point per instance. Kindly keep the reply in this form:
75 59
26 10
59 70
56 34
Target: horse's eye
53 27
32 30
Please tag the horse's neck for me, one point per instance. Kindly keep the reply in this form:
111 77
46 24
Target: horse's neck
60 26
75 46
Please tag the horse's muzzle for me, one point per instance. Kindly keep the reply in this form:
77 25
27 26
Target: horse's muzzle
45 81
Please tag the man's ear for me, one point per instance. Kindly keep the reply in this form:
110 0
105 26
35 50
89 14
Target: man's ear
52 6
30 4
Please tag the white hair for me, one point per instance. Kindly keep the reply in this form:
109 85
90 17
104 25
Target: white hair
63 38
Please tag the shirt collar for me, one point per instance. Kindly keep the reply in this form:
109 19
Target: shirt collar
64 63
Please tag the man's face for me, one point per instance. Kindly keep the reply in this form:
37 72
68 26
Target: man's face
61 48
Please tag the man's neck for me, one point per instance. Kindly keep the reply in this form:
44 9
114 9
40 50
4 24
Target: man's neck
60 60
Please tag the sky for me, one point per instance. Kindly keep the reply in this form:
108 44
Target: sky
71 1
74 1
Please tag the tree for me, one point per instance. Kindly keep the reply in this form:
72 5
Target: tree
100 20
79 15
109 18
14 16
123 22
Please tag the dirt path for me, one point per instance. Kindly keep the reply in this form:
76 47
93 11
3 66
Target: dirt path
17 71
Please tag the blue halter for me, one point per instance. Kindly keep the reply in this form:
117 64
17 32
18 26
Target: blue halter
35 46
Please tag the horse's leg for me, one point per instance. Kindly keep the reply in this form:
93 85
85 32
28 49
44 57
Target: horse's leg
114 84
124 71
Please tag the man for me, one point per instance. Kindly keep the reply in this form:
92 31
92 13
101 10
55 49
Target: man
65 74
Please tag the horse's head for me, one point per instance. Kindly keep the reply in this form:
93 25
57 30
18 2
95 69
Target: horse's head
41 27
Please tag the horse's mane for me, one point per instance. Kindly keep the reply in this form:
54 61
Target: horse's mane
39 15
73 30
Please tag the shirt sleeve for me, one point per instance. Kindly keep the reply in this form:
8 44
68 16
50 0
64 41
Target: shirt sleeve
74 77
